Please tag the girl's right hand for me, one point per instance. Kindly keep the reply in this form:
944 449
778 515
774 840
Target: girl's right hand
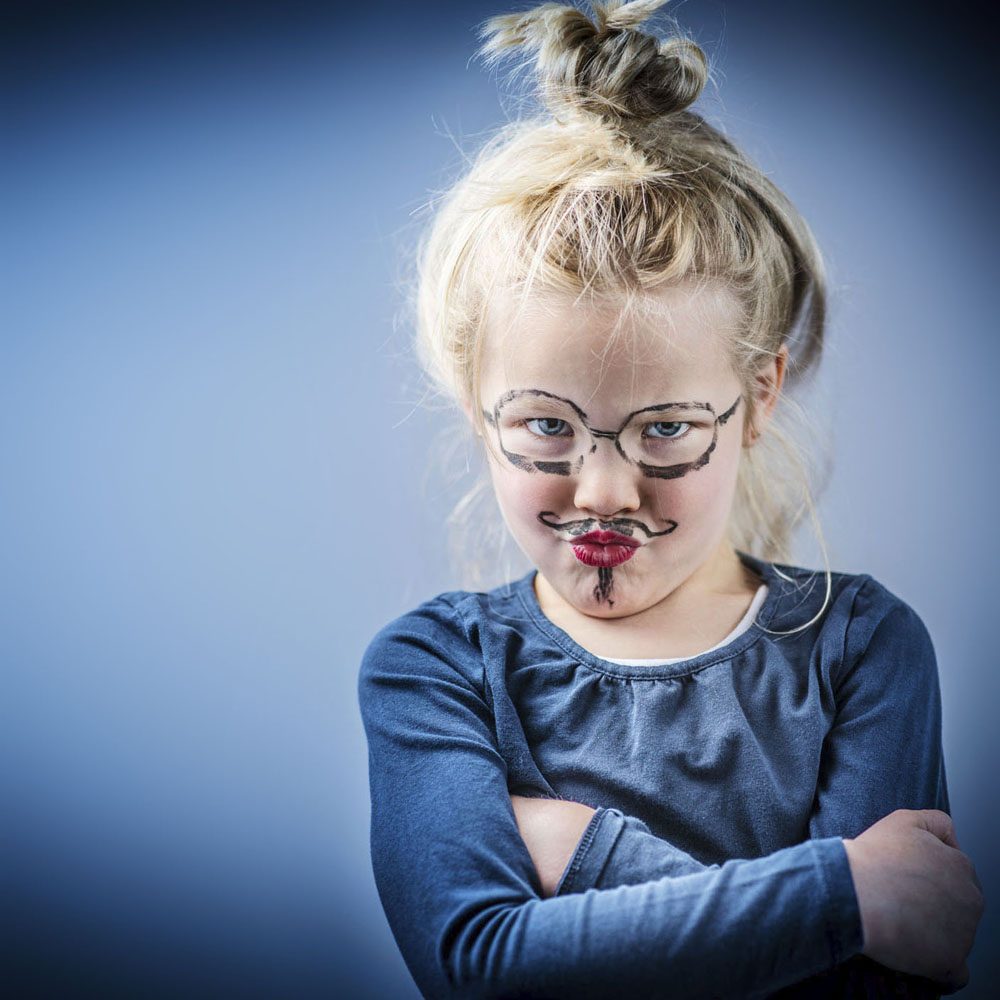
919 896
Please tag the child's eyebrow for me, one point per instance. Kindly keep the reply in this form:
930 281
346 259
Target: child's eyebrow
517 393
511 394
673 406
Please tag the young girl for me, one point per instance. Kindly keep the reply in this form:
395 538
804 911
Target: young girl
662 763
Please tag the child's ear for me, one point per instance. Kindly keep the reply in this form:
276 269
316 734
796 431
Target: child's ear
767 389
466 405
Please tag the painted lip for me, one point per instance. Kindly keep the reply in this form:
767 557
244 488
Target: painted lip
604 548
607 538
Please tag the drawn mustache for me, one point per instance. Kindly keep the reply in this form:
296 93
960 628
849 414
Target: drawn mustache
624 525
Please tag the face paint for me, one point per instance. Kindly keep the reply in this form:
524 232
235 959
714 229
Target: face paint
623 525
676 471
539 431
602 592
592 439
603 544
520 462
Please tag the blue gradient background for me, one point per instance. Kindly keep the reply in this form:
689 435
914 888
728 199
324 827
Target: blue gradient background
215 477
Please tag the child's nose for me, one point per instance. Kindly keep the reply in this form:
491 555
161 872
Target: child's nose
607 482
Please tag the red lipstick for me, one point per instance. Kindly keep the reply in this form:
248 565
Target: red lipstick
604 548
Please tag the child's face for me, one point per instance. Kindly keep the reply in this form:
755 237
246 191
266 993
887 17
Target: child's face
616 467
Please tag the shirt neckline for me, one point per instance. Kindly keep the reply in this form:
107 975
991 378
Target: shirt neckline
741 626
524 588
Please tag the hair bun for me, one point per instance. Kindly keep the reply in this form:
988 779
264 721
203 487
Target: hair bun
602 66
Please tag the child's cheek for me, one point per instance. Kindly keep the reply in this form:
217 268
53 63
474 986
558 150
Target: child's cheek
699 502
524 495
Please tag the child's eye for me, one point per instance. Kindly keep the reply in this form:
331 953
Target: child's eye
548 427
666 429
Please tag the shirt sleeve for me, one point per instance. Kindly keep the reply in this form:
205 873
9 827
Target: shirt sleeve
883 752
617 849
462 896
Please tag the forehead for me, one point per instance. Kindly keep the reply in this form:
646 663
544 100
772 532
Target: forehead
635 349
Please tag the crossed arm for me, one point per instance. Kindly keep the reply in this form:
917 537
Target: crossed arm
881 788
918 894
460 888
462 895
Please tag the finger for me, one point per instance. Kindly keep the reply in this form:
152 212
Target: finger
956 980
939 823
973 875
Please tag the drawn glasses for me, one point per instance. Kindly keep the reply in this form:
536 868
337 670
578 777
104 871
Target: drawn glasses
541 432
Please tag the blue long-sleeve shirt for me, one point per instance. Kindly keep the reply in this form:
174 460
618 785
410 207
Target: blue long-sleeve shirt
723 785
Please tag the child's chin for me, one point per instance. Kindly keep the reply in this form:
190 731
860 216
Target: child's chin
603 611
599 600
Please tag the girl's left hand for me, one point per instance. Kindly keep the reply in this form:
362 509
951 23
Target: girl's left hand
551 830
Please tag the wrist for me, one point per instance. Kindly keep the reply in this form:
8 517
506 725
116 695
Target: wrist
857 864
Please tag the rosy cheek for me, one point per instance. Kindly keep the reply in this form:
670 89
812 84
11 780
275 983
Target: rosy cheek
696 498
524 495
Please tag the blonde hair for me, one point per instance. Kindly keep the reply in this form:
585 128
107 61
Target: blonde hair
619 187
